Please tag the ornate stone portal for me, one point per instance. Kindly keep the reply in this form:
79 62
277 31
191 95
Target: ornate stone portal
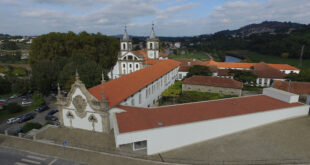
78 104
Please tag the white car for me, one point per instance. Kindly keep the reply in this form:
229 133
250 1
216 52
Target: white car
13 96
12 120
26 102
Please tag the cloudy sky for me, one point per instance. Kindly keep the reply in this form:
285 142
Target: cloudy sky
171 17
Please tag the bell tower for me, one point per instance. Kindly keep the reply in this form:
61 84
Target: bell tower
126 43
152 45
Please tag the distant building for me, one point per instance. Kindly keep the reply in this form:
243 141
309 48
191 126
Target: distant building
266 73
186 64
300 88
224 86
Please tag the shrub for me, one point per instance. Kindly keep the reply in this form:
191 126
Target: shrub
14 108
29 126
38 99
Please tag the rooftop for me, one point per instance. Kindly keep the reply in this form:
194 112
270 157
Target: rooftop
246 65
213 81
187 63
117 90
300 88
137 119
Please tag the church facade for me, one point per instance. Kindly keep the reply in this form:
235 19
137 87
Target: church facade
130 61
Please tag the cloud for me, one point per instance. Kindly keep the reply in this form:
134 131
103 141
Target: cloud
172 18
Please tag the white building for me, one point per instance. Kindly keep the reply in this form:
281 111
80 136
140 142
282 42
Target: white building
89 109
130 61
166 128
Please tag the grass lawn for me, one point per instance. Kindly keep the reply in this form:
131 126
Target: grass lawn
5 114
199 55
256 57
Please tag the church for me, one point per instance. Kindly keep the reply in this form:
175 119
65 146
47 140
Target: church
130 61
124 106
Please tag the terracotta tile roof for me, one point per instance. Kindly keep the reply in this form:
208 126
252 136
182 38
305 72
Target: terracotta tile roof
119 89
264 70
301 88
136 119
246 65
224 72
283 67
142 53
213 81
187 63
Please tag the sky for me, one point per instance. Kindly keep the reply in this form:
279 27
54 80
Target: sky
171 17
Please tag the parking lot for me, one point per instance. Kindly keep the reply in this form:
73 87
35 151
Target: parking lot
39 117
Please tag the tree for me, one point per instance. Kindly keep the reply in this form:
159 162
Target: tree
199 70
20 85
5 86
31 125
247 77
38 99
9 45
14 108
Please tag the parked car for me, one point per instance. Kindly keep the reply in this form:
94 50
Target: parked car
12 120
25 102
4 99
52 112
51 117
26 117
13 96
41 108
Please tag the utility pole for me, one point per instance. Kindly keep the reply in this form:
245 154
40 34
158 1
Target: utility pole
301 54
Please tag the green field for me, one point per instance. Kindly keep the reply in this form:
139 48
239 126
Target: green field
256 57
199 55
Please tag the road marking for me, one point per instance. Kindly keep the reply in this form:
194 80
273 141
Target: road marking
52 162
31 161
19 163
36 157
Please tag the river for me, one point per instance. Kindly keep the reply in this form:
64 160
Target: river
232 59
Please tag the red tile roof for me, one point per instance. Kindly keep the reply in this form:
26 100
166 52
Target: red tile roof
143 53
263 70
187 63
136 119
283 67
119 89
246 65
213 81
301 88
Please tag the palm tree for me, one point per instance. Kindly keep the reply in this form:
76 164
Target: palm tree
93 120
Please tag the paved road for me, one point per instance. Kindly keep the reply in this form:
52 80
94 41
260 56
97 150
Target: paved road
40 117
10 156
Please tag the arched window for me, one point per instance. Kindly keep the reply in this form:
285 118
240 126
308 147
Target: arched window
124 46
130 57
151 45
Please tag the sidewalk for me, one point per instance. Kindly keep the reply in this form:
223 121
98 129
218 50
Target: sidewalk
69 153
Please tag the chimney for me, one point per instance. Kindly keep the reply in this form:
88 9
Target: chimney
194 59
189 63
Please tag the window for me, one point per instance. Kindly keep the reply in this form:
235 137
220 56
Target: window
140 98
139 145
124 46
151 45
130 57
137 66
130 65
146 94
132 102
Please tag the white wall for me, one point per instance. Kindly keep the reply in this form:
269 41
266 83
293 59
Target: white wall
82 123
281 95
181 75
154 89
172 137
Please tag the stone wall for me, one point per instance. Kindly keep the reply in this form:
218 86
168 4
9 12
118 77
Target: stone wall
212 89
